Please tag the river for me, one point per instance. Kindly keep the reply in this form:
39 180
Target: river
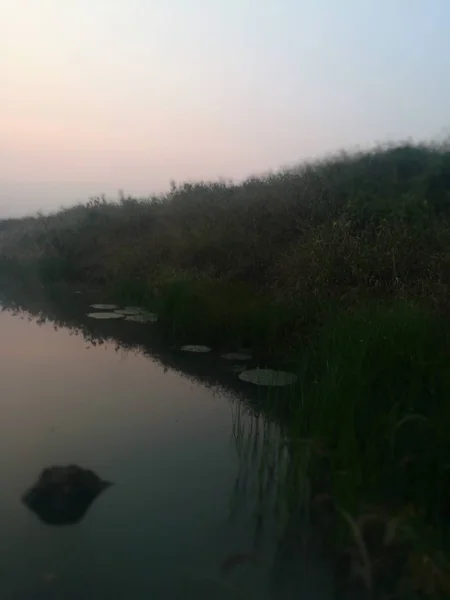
166 437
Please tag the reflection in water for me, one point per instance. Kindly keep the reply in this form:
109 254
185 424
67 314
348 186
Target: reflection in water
269 487
62 495
114 398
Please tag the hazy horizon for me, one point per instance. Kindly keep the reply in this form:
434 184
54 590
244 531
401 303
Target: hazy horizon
109 95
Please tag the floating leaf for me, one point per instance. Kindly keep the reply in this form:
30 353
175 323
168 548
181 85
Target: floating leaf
236 356
147 318
268 377
105 315
104 306
128 311
195 348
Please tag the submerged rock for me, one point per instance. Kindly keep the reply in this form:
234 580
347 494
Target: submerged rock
104 315
268 377
195 348
104 306
62 495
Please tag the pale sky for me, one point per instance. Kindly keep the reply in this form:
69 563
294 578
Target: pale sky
102 95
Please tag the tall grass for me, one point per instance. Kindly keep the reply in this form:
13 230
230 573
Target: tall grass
366 445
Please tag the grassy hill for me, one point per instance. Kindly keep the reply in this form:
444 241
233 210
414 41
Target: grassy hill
370 225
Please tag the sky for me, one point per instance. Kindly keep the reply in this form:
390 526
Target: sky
99 96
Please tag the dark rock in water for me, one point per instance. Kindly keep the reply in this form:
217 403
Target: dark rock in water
62 495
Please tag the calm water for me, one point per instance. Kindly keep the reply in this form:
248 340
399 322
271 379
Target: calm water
164 528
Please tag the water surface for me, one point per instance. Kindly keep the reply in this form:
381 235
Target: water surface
165 440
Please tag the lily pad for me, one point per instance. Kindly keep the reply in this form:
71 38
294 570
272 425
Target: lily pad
147 318
268 377
104 315
104 306
236 356
195 348
150 315
128 311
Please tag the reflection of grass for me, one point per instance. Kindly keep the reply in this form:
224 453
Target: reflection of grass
368 428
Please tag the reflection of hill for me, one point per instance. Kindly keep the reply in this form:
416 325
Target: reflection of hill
66 309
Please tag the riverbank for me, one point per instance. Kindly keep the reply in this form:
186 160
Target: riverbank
267 260
344 265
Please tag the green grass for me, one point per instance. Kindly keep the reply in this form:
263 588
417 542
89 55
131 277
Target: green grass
366 436
342 263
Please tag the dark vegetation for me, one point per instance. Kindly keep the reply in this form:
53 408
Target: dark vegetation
343 264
